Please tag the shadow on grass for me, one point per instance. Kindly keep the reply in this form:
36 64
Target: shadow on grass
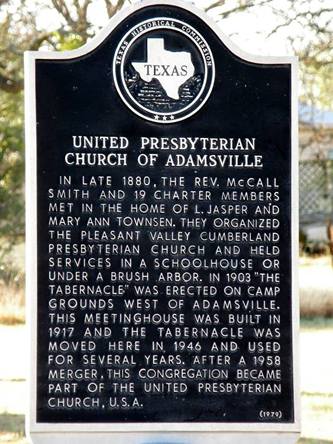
312 441
316 323
12 424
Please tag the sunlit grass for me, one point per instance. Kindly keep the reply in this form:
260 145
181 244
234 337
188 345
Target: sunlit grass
316 287
317 416
12 305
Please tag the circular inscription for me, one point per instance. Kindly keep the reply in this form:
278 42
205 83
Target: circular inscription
163 70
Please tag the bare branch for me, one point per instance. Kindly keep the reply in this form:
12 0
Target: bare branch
280 26
242 6
61 7
81 25
41 38
215 5
113 8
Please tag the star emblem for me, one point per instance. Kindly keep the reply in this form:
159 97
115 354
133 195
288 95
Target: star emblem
156 117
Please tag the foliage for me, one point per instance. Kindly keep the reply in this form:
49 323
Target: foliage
11 169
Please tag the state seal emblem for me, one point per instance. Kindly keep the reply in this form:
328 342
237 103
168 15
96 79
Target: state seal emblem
163 70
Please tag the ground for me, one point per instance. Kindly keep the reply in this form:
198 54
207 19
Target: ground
316 382
316 287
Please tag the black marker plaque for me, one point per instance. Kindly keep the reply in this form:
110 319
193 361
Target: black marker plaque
164 234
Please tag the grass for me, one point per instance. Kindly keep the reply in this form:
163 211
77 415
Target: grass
316 380
12 424
12 429
317 414
12 297
12 305
318 323
313 441
316 287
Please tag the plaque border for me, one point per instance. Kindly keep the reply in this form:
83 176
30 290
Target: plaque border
121 430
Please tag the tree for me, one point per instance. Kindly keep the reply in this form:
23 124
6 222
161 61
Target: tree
20 31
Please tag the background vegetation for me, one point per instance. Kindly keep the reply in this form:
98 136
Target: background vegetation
306 28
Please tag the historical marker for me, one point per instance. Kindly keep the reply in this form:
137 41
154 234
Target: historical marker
161 204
